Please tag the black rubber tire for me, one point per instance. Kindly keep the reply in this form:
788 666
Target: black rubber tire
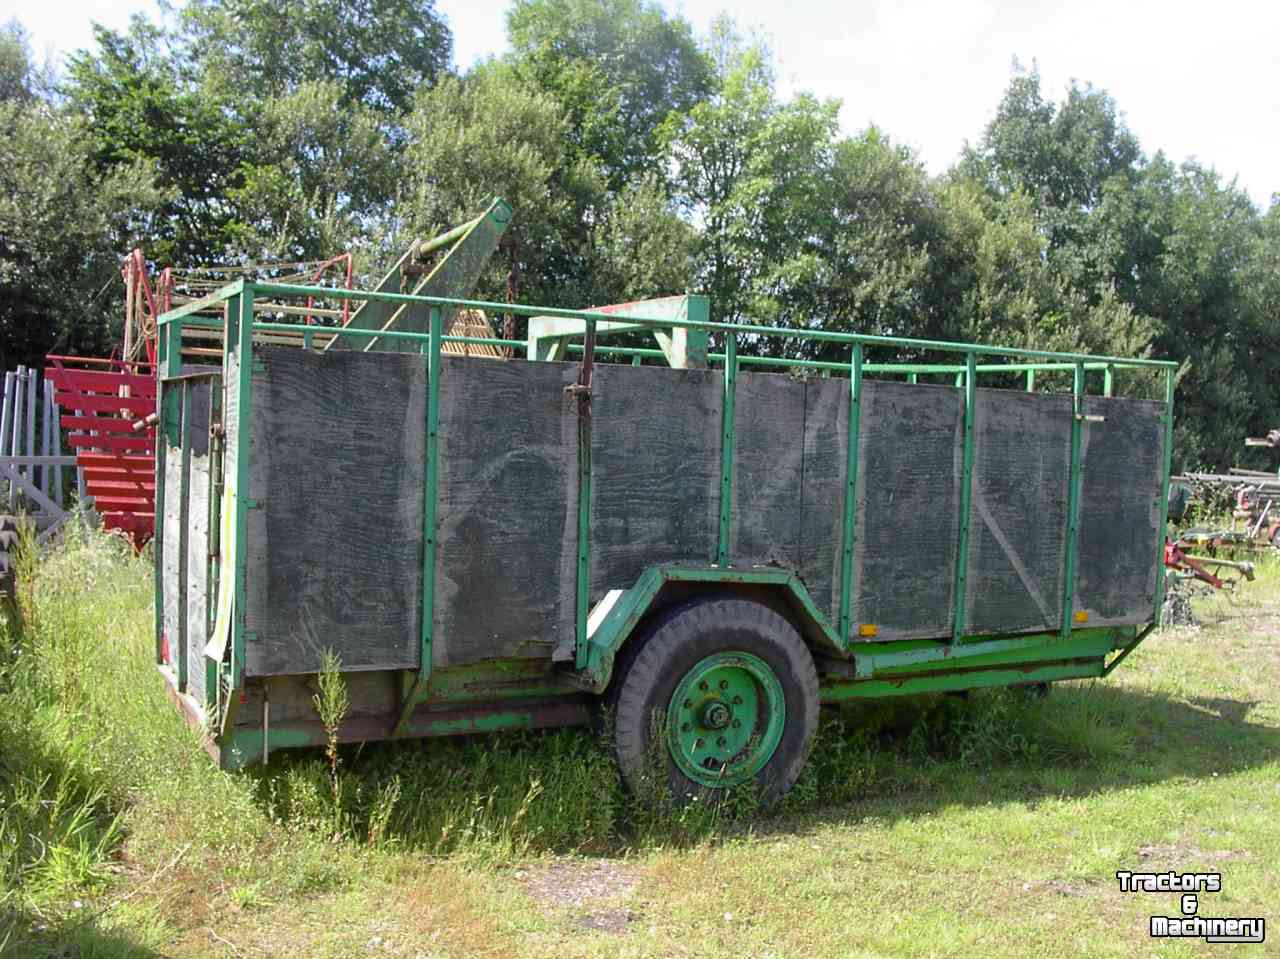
651 668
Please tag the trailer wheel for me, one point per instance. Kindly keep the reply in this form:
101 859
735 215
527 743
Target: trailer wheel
719 692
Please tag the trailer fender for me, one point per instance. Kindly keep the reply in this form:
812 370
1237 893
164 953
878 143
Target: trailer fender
616 617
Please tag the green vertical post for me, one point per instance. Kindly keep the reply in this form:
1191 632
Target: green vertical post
244 449
849 529
415 688
960 379
431 480
1108 376
584 509
184 501
306 337
727 440
1163 505
966 496
1073 502
912 377
635 360
1031 381
162 358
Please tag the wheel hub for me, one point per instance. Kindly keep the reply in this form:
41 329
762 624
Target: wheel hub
726 718
716 715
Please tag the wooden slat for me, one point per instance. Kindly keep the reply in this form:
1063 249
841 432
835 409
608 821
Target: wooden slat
119 485
103 424
111 442
105 404
93 381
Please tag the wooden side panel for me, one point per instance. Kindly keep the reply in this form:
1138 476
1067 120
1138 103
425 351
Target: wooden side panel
1018 517
826 445
765 510
171 543
198 487
335 535
655 456
1123 460
507 510
910 459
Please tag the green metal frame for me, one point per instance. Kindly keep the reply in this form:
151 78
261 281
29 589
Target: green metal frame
727 445
682 328
849 525
1073 503
970 386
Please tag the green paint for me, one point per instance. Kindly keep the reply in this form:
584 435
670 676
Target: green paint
727 440
1031 381
497 679
844 691
162 357
244 447
1073 503
417 687
1108 380
675 321
848 528
1163 505
983 651
632 606
966 500
725 718
582 593
184 503
660 323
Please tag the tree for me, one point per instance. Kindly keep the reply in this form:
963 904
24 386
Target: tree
379 51
754 172
618 68
62 225
320 178
142 101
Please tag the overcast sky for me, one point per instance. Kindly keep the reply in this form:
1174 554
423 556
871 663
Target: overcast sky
1195 79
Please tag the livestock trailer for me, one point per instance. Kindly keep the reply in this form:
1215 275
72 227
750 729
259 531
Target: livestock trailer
707 537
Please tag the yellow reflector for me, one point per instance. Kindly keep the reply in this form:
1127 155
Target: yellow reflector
868 629
1082 617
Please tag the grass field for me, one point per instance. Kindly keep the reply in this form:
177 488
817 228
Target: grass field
989 826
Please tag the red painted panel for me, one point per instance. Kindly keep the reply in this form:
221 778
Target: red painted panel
110 442
104 404
92 381
103 424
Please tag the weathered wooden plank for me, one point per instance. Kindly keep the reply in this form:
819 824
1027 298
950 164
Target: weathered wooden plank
910 449
506 510
765 510
655 457
171 543
1017 524
335 534
1123 458
826 444
198 491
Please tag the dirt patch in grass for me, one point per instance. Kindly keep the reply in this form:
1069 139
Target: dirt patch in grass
1180 854
575 882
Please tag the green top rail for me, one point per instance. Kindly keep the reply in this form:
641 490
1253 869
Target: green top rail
587 316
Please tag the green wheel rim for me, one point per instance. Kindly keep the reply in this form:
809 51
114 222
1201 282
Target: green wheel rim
726 718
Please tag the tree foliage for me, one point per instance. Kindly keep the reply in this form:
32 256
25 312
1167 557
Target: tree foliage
640 160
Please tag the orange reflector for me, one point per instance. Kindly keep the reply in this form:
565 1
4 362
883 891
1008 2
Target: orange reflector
868 629
1081 617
